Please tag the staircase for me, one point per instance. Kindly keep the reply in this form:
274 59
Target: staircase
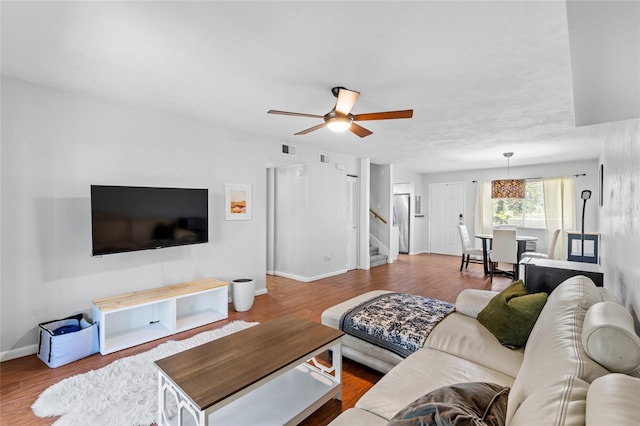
375 258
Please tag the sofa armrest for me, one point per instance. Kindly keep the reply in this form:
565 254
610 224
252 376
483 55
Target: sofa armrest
471 301
613 400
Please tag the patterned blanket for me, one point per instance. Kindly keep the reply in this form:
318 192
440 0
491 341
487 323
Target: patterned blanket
398 322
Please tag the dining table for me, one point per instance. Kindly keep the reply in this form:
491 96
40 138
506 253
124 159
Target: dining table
487 240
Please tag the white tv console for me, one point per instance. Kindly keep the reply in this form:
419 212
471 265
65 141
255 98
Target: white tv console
130 319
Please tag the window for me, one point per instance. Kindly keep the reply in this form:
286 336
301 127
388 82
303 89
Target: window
526 213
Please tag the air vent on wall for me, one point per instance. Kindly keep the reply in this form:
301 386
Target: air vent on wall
289 150
324 158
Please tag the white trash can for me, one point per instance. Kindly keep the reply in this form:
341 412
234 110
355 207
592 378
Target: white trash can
242 293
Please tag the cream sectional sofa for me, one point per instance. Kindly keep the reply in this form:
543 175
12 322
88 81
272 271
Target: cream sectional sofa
577 367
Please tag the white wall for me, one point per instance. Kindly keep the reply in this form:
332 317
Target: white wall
271 220
620 213
54 146
310 228
364 190
590 181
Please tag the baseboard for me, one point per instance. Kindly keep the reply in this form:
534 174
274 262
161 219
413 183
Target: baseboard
309 279
327 275
33 349
414 253
18 353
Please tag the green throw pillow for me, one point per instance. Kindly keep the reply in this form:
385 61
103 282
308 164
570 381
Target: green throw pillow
511 314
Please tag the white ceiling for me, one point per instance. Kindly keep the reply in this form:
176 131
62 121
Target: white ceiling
482 77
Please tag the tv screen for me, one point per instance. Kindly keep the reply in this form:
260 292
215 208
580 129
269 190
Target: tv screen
129 218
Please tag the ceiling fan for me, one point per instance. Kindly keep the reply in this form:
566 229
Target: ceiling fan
340 119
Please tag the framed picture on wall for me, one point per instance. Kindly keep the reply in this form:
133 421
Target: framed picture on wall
237 204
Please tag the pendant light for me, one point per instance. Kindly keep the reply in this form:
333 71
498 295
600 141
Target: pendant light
507 188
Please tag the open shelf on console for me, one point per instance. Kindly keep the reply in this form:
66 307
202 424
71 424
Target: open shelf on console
131 319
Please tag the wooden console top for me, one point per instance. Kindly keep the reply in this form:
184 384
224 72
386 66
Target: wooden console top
155 294
217 370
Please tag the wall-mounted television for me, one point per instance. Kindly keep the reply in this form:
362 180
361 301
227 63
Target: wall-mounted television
130 218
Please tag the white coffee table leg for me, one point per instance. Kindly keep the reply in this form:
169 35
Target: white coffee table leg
184 406
336 362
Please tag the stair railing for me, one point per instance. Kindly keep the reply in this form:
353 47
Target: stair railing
377 216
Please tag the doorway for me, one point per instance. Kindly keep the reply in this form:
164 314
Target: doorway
446 212
401 219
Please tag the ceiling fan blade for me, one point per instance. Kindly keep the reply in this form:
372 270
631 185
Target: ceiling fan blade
359 130
387 115
311 129
346 99
297 114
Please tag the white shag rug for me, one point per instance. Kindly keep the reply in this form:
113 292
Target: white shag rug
124 392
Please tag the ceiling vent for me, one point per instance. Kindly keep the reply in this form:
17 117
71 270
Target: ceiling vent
289 150
324 158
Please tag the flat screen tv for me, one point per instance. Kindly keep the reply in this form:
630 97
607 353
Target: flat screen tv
130 218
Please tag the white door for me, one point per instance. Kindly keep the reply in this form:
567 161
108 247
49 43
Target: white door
352 222
446 212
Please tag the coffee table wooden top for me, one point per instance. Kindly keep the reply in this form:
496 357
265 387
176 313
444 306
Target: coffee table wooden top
216 370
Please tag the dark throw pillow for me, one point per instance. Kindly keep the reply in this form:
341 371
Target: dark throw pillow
511 314
462 404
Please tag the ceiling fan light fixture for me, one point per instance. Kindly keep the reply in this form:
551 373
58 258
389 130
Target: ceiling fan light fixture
339 124
340 118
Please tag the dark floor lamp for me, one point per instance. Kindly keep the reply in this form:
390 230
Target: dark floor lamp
586 194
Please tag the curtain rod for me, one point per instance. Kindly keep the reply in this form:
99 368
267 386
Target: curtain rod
576 176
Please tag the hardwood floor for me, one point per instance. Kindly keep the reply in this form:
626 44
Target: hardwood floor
436 276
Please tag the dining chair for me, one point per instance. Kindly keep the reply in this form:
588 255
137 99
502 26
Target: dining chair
504 250
548 255
468 249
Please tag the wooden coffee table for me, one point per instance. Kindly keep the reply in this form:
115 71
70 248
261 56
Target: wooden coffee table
266 374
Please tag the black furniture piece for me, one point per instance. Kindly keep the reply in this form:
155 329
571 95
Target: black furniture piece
544 275
583 250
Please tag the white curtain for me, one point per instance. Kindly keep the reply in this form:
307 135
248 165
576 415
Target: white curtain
559 210
484 209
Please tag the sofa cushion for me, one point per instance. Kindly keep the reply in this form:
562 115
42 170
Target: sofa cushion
363 352
561 402
471 301
422 372
331 316
460 404
613 400
465 337
554 348
511 314
609 337
366 353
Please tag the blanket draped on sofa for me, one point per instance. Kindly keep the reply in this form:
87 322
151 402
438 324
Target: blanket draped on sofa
397 322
